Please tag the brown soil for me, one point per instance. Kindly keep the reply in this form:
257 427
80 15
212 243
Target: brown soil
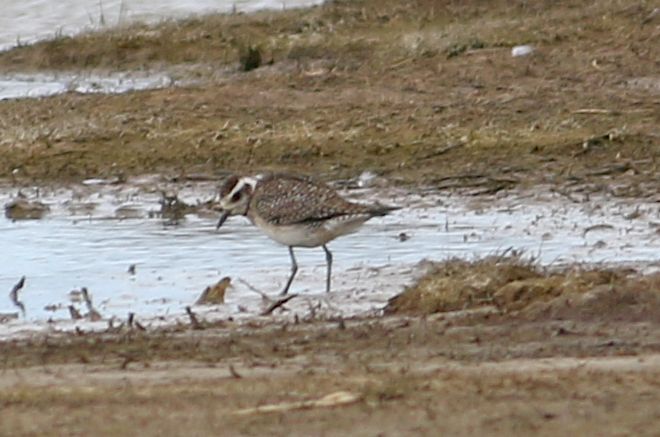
584 359
426 93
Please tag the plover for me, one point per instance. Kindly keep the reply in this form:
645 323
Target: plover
295 211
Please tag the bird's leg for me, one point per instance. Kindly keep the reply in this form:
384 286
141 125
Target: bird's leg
328 261
294 269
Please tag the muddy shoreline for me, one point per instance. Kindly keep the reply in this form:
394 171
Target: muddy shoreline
149 246
425 98
520 349
402 375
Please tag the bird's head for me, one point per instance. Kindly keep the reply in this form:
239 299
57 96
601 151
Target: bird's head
235 195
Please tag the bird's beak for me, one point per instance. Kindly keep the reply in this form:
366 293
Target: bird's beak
223 218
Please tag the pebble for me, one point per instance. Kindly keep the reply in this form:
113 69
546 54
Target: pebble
521 51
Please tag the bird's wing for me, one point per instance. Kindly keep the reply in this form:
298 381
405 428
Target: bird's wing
288 199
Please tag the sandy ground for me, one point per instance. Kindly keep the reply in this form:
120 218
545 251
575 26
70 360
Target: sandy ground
581 358
388 376
426 95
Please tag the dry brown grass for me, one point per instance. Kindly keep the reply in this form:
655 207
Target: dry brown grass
362 85
423 92
524 289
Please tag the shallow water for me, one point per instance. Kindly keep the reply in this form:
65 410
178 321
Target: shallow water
40 84
27 21
83 242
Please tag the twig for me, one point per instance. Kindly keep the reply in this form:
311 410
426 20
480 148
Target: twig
132 322
13 295
193 319
331 400
504 254
128 358
442 150
461 176
594 140
278 303
75 314
86 298
566 194
263 295
92 314
593 111
611 169
233 372
312 309
400 63
654 13
589 111
112 327
491 190
598 227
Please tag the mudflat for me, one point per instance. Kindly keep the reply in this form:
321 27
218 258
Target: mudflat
424 94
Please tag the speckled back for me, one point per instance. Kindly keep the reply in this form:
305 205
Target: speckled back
290 199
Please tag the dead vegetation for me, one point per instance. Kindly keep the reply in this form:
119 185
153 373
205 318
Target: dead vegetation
512 287
425 92
215 295
422 93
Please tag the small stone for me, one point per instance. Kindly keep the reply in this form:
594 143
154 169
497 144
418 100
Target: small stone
369 179
518 51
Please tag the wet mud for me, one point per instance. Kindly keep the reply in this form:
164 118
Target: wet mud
515 292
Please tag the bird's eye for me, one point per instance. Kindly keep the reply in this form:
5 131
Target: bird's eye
236 197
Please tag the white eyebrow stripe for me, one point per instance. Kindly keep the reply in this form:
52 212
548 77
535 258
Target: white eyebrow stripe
247 180
242 182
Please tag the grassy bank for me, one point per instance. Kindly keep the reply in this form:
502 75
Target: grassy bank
424 93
